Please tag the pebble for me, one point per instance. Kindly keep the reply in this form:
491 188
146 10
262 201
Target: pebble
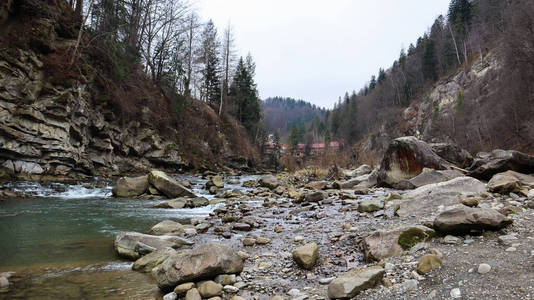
449 239
293 292
511 249
410 285
325 281
170 296
483 268
456 293
299 239
230 289
4 283
470 241
389 267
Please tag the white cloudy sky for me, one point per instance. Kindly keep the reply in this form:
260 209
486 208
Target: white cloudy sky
315 49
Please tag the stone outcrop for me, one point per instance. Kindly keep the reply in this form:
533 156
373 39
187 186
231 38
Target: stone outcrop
204 262
487 164
405 158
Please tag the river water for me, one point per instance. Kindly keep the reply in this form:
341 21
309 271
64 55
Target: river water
59 241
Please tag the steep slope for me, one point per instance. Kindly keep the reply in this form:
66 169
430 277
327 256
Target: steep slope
60 122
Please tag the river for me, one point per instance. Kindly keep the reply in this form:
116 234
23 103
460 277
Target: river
59 241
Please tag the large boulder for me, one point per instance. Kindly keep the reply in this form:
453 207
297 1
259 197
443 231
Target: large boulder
383 244
167 227
453 154
510 182
463 219
306 255
269 181
487 164
130 186
405 158
349 284
203 262
429 176
426 199
151 260
133 245
168 186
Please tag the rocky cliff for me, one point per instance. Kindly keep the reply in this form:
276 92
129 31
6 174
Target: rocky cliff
60 129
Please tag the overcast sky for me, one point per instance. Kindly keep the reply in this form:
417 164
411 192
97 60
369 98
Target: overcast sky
316 50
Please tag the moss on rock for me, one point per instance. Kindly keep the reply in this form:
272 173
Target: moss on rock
414 235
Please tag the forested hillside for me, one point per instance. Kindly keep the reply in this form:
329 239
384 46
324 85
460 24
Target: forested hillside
467 81
283 114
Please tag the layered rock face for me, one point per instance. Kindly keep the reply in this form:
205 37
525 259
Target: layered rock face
55 131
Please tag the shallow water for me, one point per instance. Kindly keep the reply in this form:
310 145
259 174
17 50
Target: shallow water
60 240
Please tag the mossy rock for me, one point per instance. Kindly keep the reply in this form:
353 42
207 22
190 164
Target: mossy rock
414 235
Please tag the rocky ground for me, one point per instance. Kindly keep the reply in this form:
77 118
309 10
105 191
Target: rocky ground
282 214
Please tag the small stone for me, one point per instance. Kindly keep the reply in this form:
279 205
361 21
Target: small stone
209 289
183 288
249 241
244 255
170 296
4 283
456 293
262 240
507 240
451 240
293 292
511 249
410 285
483 268
325 281
428 262
306 256
389 267
277 298
193 294
230 289
471 201
299 239
240 284
226 279
469 241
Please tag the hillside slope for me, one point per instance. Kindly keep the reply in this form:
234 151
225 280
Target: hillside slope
60 121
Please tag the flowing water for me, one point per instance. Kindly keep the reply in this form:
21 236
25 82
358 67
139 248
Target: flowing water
59 241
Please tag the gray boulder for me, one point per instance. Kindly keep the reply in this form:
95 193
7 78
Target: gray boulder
306 256
167 227
350 284
405 158
425 200
151 260
204 262
361 170
487 164
383 244
130 186
453 154
465 219
510 182
430 176
269 181
133 245
168 186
